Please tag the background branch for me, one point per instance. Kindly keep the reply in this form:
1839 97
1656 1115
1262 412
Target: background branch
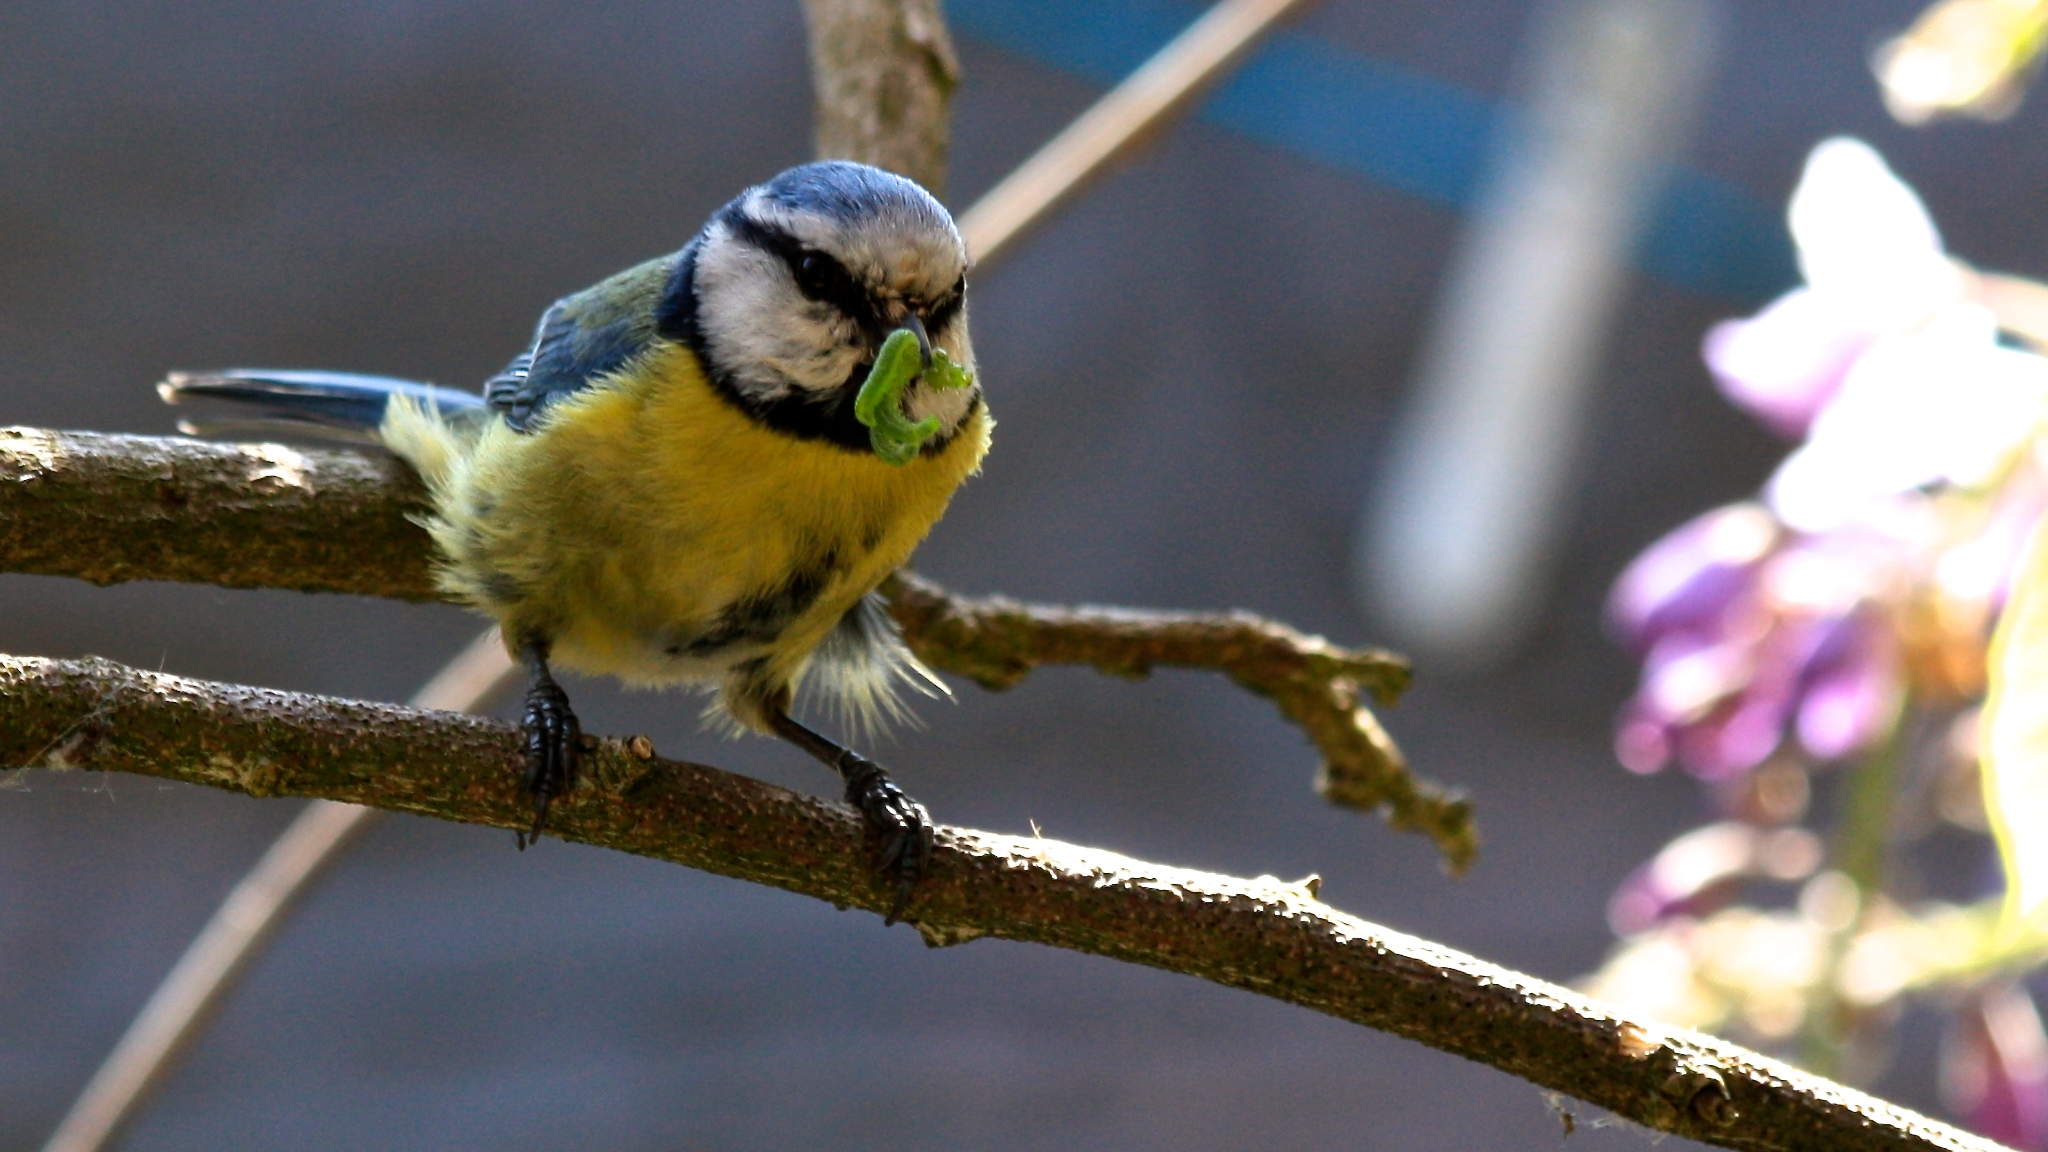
1261 935
884 73
111 508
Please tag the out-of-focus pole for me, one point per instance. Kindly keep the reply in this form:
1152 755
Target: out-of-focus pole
1460 536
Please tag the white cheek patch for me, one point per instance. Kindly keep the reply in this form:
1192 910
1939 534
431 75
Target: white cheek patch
762 330
817 366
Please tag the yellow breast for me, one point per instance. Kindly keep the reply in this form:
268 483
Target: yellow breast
648 513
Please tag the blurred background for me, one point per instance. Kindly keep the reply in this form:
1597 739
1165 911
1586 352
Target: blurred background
1200 370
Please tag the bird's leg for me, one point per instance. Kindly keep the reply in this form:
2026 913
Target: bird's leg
554 740
902 823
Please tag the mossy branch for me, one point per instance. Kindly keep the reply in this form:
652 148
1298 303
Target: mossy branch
1263 935
111 508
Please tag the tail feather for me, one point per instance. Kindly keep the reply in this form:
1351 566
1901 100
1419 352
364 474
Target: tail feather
341 405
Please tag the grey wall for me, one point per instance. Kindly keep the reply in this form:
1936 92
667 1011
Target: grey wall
1193 369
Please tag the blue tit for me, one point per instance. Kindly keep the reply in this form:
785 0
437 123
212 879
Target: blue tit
671 485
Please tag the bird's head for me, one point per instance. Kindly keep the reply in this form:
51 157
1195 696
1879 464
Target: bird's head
798 281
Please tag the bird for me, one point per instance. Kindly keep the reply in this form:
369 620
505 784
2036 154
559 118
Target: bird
696 474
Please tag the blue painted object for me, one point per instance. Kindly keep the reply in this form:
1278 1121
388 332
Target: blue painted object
1392 125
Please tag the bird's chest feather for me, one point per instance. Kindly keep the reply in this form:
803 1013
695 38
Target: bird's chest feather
679 534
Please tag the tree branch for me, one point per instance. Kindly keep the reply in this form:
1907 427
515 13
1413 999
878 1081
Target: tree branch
884 71
996 641
110 508
1260 935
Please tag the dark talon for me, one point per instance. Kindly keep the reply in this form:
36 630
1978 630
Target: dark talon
891 812
554 743
902 823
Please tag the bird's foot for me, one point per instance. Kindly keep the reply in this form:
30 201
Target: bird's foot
902 825
554 742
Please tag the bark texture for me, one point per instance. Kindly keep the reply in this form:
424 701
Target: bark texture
115 508
884 72
110 509
1263 935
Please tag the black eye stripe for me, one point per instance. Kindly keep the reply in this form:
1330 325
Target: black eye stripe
818 275
821 277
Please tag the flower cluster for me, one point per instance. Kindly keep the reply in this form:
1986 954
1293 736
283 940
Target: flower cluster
1882 543
1780 636
1749 633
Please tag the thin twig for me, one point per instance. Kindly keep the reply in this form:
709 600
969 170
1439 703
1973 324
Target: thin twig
1262 935
995 641
213 963
1118 123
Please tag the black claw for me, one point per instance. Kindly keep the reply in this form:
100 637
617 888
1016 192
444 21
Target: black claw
903 825
900 823
554 743
540 817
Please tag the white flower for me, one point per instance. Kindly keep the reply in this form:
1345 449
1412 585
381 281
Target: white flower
1944 403
1932 397
1874 267
1866 244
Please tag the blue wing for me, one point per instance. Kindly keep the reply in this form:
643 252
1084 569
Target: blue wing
580 340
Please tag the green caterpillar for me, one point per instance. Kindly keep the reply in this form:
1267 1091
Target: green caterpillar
880 402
